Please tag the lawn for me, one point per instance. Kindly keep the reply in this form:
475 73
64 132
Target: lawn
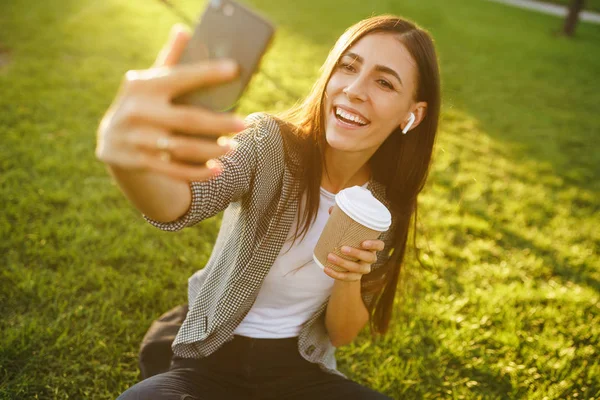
506 304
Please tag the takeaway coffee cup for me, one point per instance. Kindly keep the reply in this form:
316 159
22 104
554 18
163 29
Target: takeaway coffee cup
357 216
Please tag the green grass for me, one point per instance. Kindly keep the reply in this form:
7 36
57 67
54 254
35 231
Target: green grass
508 304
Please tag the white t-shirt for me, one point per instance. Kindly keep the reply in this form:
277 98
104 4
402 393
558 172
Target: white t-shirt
289 296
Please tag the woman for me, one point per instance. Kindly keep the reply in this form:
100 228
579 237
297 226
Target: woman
264 320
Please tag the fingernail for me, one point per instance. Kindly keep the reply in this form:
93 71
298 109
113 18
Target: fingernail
223 141
229 143
176 30
233 144
331 257
345 249
367 244
214 166
228 66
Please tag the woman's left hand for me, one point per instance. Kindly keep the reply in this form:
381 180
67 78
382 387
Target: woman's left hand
367 255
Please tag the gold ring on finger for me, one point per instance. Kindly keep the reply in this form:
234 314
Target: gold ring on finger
163 143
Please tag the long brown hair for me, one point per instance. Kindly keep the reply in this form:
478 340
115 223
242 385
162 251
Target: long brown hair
401 163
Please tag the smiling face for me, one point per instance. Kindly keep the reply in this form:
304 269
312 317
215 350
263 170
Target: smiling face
369 94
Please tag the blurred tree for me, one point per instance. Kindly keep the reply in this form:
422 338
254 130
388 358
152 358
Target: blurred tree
572 17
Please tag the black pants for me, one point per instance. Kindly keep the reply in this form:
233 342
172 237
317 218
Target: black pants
248 368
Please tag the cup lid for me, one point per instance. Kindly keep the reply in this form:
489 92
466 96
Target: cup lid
360 205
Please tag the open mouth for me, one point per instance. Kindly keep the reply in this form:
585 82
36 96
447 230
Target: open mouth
349 118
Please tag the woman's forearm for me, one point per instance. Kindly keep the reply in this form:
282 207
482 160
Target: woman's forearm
157 196
346 313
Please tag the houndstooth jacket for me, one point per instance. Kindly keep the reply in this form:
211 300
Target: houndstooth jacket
251 189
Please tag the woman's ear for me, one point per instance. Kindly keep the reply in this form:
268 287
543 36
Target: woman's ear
419 110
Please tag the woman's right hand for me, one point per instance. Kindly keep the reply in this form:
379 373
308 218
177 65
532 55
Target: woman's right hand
137 131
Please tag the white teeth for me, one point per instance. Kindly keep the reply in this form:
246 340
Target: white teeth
351 117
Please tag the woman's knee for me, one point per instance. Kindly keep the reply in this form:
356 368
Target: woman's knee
133 393
138 391
157 388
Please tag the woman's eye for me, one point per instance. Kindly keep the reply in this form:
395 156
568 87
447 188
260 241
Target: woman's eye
347 67
386 84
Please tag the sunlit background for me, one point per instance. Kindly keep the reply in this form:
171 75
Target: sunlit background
506 304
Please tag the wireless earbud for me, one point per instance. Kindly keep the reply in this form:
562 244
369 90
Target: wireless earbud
411 120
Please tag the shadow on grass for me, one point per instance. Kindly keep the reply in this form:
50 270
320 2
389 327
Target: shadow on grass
438 371
490 205
580 275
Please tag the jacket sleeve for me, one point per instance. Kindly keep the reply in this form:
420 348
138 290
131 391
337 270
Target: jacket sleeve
239 167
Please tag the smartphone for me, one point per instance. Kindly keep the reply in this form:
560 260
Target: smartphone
226 29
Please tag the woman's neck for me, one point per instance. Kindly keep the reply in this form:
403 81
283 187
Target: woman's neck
345 169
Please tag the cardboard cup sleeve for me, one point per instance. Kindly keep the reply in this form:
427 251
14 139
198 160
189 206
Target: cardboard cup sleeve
357 216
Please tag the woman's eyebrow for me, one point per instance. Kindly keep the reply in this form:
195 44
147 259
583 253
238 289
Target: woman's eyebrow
381 68
390 71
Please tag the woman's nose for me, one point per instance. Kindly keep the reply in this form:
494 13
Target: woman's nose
356 90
